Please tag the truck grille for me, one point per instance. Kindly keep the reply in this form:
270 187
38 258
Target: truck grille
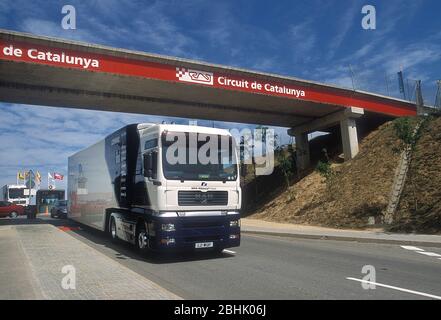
199 198
206 223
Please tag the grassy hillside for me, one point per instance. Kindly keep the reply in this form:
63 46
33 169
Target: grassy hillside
420 205
357 190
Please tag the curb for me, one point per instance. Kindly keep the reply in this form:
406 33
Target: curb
343 238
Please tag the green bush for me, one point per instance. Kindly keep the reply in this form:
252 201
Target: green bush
404 130
324 169
285 163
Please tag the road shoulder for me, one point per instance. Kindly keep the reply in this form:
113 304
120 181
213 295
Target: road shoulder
39 253
17 280
255 226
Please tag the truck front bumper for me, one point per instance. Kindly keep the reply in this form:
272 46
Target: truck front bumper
194 233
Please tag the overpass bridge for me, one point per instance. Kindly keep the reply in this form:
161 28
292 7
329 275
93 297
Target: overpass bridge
55 72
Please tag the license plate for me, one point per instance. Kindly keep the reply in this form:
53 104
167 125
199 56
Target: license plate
201 245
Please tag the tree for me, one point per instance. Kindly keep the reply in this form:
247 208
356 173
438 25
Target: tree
286 164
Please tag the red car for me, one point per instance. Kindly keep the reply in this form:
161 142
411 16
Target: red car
10 209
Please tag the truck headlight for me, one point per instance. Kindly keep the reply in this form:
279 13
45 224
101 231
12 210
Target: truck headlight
168 227
235 223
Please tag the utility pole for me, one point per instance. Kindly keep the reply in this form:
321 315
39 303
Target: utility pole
387 84
401 83
438 96
352 77
419 98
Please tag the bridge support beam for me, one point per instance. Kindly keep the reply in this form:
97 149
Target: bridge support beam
302 151
347 121
349 138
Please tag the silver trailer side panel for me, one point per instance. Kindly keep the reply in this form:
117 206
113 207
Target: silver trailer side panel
90 189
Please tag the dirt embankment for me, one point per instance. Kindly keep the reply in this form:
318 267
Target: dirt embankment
359 189
420 205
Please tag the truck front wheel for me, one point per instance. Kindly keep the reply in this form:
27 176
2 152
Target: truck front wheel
141 238
112 230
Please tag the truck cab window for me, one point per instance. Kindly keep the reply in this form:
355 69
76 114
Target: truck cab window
152 143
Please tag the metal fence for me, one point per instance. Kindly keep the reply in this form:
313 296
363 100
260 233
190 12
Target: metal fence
397 85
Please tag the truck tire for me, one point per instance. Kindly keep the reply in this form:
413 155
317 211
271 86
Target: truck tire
13 214
112 230
141 239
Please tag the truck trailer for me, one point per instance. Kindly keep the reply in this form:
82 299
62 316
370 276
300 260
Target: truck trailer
17 194
131 186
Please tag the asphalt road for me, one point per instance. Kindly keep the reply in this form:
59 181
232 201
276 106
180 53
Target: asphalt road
266 267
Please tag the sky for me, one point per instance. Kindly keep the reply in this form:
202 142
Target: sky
315 40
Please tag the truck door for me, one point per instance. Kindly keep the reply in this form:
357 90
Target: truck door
119 150
151 173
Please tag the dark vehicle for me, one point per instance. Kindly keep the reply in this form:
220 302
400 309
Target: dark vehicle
59 209
8 209
46 199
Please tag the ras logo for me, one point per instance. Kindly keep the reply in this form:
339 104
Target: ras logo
195 76
204 184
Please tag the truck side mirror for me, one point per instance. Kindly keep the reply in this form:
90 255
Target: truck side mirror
146 165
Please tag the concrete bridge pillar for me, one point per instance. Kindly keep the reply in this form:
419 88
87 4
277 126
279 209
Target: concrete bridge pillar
302 151
347 121
349 137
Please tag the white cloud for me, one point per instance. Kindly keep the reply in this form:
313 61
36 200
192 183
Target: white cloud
52 29
303 39
345 23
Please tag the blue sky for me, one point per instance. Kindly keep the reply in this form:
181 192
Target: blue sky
316 40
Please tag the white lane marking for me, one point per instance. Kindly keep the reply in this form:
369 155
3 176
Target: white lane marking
229 251
396 288
427 253
412 248
430 254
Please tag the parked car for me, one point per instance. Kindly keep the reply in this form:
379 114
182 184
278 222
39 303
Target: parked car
59 210
10 209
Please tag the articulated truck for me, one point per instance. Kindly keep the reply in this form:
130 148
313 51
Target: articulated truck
161 187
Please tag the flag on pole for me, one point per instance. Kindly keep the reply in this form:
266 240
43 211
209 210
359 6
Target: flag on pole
50 181
58 176
38 178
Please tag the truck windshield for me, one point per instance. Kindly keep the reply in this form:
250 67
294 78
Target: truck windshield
184 157
16 193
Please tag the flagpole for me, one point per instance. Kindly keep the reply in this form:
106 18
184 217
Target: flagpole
30 187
